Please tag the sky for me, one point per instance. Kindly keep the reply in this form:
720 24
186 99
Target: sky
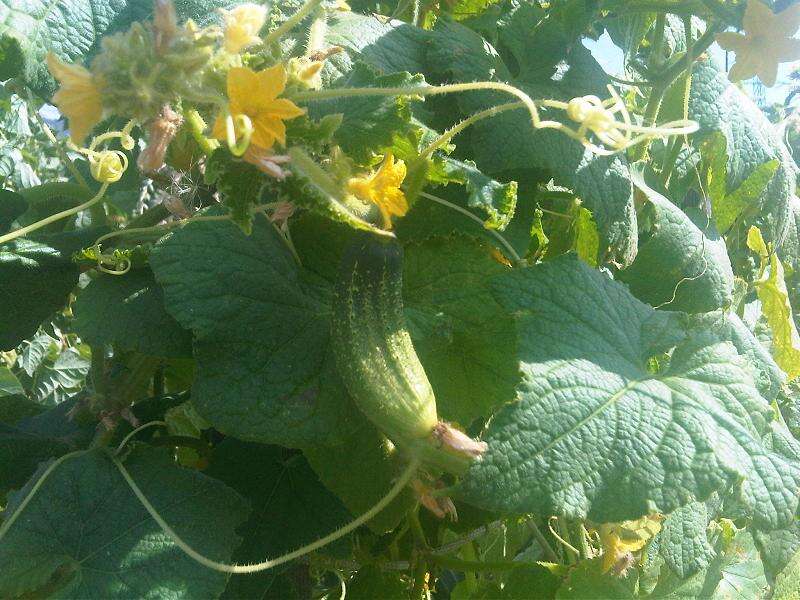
610 58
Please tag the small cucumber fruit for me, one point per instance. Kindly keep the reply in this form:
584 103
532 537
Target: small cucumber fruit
377 359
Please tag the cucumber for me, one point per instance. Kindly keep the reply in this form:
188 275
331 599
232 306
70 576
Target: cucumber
376 357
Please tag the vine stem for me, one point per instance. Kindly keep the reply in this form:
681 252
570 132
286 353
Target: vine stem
56 217
398 487
509 248
288 24
128 437
477 566
432 90
456 129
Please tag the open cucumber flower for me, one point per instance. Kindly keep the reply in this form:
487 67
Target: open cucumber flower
766 42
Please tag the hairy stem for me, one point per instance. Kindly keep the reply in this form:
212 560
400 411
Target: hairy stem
56 217
398 487
289 24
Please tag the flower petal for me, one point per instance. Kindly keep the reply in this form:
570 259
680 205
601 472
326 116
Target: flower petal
786 49
242 85
284 109
266 131
758 17
744 68
271 83
787 22
734 42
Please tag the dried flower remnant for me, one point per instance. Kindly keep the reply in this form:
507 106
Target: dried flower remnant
458 441
165 24
766 42
441 506
160 133
267 162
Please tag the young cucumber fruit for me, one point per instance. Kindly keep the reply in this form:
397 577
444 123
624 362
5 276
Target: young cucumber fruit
378 362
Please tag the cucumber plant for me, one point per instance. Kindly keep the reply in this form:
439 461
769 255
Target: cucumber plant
397 300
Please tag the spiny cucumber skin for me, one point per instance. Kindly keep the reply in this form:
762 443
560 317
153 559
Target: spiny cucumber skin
374 350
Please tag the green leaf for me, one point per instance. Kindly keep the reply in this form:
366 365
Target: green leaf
128 313
33 439
60 377
12 205
737 572
291 508
744 198
261 327
92 538
72 29
370 582
464 339
596 432
360 470
787 584
586 581
369 123
497 200
718 105
38 275
678 265
239 183
683 541
778 547
317 190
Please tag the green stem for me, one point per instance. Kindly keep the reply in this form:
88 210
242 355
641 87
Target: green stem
398 487
458 128
508 247
197 126
420 575
56 217
68 162
475 566
543 543
288 24
416 528
470 556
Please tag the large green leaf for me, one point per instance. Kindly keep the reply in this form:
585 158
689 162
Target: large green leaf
38 275
369 122
261 333
787 584
718 105
778 547
679 265
683 541
360 470
86 535
128 312
72 29
290 506
31 440
598 430
465 340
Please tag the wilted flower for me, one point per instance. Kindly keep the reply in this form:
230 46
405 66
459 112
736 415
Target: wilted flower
242 25
266 161
165 24
767 41
160 133
78 98
458 441
382 188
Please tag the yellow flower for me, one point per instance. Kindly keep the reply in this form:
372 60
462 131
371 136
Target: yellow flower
78 98
255 94
382 188
242 25
767 41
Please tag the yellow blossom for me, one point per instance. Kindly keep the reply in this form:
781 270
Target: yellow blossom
766 42
255 95
242 25
78 98
382 188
